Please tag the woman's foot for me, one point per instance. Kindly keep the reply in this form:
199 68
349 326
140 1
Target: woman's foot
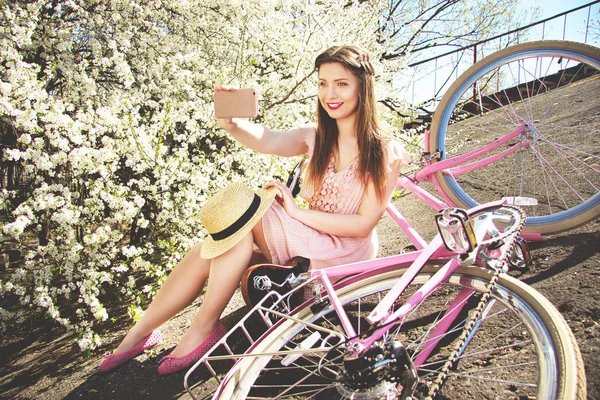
197 332
171 363
112 361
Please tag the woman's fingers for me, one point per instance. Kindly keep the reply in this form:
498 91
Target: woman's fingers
225 88
278 185
285 197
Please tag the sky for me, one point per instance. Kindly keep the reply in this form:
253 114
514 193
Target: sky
553 7
419 84
574 22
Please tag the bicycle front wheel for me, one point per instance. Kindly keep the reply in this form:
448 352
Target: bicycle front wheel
551 87
522 347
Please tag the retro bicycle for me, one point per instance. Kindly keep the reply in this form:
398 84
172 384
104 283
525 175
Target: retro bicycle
444 321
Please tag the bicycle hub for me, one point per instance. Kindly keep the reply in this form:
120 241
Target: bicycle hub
388 362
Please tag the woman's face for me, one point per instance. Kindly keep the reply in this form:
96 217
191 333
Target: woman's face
338 90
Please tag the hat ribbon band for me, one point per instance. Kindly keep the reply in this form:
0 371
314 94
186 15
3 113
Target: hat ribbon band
241 221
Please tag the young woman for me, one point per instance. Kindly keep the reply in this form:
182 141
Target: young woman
351 175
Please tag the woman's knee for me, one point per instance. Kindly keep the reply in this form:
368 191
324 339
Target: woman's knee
196 248
193 262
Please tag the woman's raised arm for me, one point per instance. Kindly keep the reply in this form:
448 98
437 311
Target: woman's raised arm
259 138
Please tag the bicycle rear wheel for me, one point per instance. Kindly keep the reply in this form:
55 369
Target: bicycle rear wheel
522 347
553 87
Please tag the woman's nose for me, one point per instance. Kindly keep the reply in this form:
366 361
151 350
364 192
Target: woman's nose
332 94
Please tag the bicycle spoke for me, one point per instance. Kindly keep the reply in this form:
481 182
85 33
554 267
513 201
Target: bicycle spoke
467 373
556 163
466 376
514 345
565 157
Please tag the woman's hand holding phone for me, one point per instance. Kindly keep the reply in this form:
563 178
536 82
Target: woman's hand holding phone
232 103
231 106
224 123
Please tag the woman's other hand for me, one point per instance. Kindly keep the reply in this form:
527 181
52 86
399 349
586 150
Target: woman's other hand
284 198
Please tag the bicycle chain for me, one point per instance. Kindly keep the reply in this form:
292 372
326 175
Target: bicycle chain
506 252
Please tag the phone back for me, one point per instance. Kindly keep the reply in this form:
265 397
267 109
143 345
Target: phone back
241 103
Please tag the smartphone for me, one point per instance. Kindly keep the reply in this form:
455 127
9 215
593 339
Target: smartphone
241 103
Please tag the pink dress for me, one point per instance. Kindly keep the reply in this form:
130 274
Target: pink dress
341 192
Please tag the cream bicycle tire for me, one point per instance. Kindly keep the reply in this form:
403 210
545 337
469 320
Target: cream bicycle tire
556 168
566 381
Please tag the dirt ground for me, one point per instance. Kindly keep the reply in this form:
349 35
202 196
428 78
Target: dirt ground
43 363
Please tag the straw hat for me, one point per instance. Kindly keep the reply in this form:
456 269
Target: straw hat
230 214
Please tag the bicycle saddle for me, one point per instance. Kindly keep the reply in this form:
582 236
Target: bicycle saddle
260 279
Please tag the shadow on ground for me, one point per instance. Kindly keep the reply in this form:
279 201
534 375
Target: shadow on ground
575 248
50 361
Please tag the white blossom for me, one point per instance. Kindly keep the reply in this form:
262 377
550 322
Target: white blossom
17 227
115 132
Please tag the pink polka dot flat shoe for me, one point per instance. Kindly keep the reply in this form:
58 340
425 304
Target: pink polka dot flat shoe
171 364
112 361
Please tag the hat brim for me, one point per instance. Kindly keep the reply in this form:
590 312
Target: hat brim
213 248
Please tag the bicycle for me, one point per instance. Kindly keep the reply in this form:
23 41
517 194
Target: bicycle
557 176
444 319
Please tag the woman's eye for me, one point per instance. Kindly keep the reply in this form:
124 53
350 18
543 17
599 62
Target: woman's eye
342 84
322 84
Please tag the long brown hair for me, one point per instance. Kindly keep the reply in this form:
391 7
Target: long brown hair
370 139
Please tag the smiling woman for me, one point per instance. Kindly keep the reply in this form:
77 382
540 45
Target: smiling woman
347 121
352 172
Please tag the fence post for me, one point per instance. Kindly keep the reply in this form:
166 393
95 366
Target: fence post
474 85
587 24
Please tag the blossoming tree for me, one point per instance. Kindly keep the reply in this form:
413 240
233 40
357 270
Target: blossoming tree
109 143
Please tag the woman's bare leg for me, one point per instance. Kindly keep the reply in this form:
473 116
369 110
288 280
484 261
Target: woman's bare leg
260 241
225 274
183 285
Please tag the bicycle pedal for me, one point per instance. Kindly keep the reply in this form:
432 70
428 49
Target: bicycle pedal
520 257
521 201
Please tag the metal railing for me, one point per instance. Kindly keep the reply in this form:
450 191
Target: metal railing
431 77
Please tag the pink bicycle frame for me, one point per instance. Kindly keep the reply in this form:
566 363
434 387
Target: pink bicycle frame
455 166
380 314
426 253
